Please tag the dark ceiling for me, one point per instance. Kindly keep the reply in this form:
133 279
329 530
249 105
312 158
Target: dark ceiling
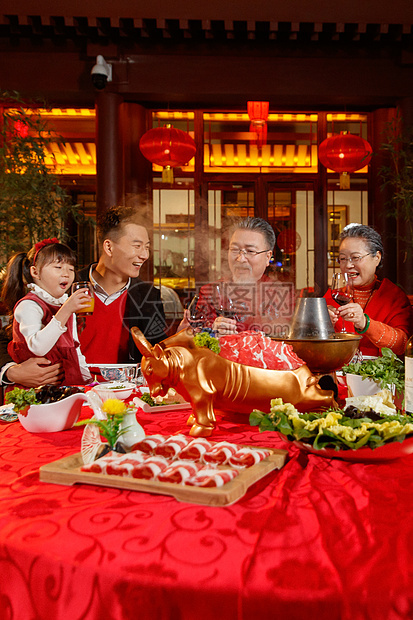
210 62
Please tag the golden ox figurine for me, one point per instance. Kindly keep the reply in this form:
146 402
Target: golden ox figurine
212 383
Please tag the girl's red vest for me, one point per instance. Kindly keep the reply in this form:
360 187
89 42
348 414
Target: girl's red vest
63 351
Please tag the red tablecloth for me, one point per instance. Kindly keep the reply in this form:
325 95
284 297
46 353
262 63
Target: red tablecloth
319 539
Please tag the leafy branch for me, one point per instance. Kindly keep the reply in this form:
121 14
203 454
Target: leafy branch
397 176
33 205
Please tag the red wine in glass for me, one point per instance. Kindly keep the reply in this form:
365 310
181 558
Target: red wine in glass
341 298
222 303
342 290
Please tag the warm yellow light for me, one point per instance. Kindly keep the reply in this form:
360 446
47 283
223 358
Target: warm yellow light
346 117
177 115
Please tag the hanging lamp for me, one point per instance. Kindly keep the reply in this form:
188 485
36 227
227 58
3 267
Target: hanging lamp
258 115
167 147
20 129
345 153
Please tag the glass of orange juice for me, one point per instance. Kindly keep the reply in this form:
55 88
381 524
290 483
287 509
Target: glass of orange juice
86 310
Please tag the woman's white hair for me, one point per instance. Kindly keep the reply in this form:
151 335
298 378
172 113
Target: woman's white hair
370 236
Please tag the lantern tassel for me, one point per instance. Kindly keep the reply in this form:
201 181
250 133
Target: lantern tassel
167 175
344 180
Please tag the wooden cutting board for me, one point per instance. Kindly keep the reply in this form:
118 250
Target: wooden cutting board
67 471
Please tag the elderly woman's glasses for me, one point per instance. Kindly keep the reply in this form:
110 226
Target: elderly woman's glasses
354 260
235 252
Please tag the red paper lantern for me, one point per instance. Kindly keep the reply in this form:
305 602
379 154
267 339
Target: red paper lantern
20 129
167 147
260 132
345 153
258 111
258 115
289 241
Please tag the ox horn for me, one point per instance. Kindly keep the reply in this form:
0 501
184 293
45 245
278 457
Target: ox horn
143 345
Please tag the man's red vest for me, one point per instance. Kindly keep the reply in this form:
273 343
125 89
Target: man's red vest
105 336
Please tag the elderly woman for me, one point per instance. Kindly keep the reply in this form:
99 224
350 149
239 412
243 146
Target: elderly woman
380 310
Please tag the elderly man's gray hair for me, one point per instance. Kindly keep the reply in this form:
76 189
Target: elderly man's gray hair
256 224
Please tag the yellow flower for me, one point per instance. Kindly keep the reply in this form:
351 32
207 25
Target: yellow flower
113 406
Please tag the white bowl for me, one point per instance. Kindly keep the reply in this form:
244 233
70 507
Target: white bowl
360 386
114 389
53 417
113 372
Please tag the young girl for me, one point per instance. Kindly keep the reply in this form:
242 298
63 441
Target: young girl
44 324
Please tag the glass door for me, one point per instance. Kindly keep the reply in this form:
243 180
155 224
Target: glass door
290 211
289 208
226 201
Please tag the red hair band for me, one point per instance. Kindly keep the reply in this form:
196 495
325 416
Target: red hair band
42 244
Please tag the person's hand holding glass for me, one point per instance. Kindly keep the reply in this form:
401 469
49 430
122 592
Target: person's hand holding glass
230 309
225 322
342 293
87 309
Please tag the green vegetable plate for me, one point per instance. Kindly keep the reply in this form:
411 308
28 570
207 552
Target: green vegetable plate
158 408
387 452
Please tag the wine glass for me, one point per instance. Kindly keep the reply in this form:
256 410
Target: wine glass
342 291
222 302
86 310
133 374
196 316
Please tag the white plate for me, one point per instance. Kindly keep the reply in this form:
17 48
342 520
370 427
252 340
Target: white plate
158 408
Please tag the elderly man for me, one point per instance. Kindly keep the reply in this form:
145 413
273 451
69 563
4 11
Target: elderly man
122 300
251 300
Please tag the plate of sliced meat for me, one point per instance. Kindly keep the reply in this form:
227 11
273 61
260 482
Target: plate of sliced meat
190 469
256 349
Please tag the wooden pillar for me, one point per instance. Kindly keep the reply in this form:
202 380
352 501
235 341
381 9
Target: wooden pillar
109 168
379 197
138 170
321 218
137 183
201 203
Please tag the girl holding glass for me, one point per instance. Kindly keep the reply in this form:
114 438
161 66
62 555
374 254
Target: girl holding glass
44 323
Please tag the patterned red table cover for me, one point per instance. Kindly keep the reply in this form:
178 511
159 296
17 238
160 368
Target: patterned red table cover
319 539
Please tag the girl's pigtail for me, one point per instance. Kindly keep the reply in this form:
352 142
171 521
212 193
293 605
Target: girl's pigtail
17 276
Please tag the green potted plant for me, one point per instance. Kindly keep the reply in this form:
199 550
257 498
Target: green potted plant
33 205
372 375
397 181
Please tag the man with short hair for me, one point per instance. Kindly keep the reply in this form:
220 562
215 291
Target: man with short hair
122 299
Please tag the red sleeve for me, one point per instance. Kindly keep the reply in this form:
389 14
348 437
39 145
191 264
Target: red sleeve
391 306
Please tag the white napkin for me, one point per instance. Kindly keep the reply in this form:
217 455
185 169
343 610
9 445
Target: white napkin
95 402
